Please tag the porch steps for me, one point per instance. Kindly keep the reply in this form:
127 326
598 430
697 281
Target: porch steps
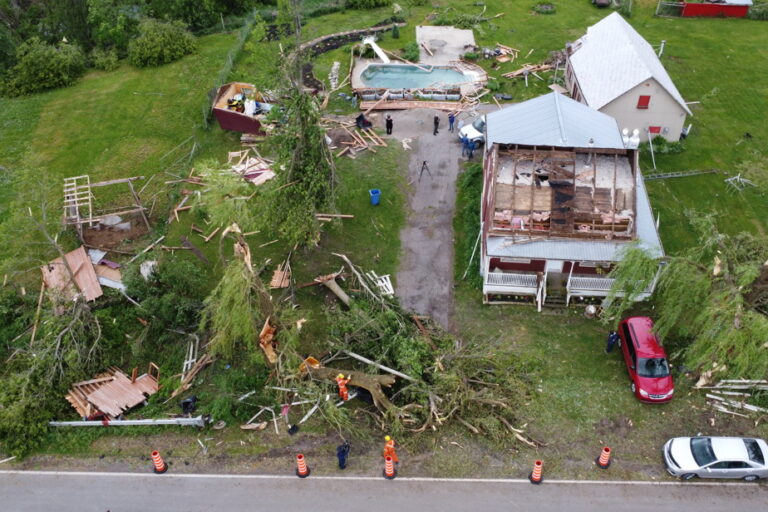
555 300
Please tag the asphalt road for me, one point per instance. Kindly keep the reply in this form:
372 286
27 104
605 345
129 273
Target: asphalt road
130 492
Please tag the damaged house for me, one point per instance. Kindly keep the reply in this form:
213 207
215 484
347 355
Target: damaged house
562 196
614 70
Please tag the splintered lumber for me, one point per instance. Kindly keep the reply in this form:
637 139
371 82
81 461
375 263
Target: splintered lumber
335 215
427 49
208 238
526 69
282 276
147 249
267 341
371 383
201 363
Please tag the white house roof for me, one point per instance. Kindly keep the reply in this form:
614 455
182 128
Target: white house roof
576 249
553 120
612 58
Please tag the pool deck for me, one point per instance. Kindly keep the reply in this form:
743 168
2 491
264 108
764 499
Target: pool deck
447 44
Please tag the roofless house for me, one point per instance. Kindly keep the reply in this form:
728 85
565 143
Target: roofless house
562 196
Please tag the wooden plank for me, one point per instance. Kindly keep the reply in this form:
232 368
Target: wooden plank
56 276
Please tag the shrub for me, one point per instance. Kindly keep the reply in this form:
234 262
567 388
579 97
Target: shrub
395 32
366 4
470 56
197 14
41 66
493 85
545 8
411 51
418 3
160 43
7 49
105 60
759 11
114 23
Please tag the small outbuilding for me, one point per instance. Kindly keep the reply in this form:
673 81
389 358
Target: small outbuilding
615 71
717 8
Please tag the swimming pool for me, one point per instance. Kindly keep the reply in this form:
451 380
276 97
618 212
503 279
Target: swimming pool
405 76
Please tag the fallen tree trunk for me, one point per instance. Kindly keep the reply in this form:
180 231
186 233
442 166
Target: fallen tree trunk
371 383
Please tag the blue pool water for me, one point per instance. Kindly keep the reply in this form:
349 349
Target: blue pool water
398 76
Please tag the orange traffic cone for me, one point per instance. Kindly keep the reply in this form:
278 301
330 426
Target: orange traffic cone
159 465
535 477
604 460
302 470
389 468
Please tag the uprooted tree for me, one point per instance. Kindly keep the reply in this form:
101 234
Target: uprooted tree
711 299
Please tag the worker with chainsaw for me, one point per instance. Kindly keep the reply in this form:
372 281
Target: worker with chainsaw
389 449
342 382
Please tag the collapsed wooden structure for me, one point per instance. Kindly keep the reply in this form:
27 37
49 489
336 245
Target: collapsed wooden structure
79 199
112 393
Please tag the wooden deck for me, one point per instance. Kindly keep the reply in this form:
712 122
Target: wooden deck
112 393
409 104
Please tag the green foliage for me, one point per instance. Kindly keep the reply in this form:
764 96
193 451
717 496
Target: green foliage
710 300
228 199
411 51
234 311
545 8
470 56
196 14
662 146
160 43
304 184
171 298
632 275
366 4
758 11
261 59
114 23
625 9
16 313
41 66
395 32
467 222
7 49
493 85
105 60
418 3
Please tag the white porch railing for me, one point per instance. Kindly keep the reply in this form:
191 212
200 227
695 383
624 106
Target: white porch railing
509 283
592 286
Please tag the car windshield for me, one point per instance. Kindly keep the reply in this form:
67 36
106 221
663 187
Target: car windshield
652 367
701 447
754 451
479 124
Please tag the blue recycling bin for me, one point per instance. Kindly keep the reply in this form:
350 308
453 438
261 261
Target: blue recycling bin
375 196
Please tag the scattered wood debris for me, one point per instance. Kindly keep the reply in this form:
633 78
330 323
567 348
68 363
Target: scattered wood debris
327 217
730 394
111 393
526 69
249 164
189 377
506 53
382 282
282 276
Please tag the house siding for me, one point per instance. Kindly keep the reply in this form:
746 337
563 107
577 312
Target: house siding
663 111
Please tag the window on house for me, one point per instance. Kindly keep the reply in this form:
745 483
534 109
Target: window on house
654 129
643 102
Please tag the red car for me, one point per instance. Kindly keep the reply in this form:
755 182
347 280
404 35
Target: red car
646 360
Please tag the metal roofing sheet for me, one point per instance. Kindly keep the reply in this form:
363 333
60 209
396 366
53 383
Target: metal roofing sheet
612 58
577 249
553 120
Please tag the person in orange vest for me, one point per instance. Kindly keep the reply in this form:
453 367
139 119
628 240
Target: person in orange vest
342 382
389 449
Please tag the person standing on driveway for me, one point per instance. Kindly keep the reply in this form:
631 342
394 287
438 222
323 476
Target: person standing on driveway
464 145
437 124
389 124
451 120
471 148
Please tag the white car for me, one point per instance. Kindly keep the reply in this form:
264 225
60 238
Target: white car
716 457
475 131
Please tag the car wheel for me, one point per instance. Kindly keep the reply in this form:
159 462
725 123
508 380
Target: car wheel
751 478
688 476
633 388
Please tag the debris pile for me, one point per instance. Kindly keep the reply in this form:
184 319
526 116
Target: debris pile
351 140
730 394
110 394
505 53
251 166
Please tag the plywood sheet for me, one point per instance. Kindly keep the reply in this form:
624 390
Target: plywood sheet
56 276
542 198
